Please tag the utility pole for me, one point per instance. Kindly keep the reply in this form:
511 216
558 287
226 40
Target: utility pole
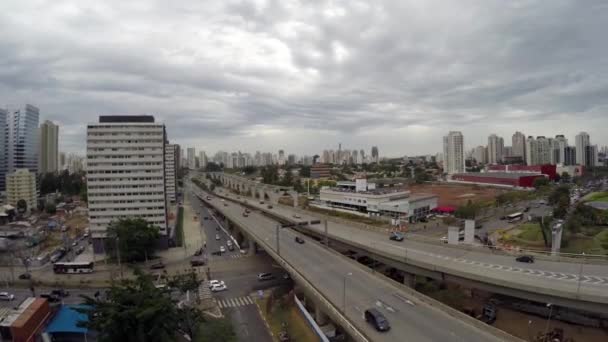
277 237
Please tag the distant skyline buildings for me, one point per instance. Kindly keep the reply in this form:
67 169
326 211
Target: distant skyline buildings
453 153
49 147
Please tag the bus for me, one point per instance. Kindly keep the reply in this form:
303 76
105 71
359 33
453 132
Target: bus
515 217
73 267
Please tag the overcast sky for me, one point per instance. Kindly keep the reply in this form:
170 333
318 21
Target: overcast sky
306 75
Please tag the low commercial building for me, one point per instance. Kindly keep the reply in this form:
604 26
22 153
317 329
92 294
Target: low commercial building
547 169
320 171
572 170
21 185
499 179
26 322
363 197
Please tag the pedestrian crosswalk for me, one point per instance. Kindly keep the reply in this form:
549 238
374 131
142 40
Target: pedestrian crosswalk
234 302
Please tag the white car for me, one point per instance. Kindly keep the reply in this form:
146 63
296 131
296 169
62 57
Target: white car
214 282
218 288
222 249
6 296
217 236
296 216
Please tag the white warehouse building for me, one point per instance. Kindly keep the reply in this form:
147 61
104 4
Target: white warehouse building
364 197
126 173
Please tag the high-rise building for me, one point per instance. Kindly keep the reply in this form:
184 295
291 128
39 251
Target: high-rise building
453 153
75 163
480 154
591 156
518 143
3 149
495 149
559 145
126 174
190 156
62 161
582 140
23 138
21 185
362 156
569 156
49 148
291 159
539 151
171 157
202 159
281 159
375 154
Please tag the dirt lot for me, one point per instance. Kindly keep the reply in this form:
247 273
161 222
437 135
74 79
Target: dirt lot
457 194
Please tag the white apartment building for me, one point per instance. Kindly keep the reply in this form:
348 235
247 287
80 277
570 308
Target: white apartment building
21 185
453 153
171 157
559 146
480 154
495 149
48 161
518 144
191 157
582 140
125 173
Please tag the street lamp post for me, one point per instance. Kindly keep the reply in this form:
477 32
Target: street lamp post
550 306
580 275
529 324
344 292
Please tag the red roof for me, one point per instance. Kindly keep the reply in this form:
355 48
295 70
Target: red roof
445 209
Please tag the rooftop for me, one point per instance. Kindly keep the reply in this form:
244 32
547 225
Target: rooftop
378 191
125 118
508 175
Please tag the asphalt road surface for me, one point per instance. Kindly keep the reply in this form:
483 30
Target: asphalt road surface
339 278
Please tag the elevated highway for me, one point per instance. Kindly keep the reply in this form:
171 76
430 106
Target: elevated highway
350 288
579 284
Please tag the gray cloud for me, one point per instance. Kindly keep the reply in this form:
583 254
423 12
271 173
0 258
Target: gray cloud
305 75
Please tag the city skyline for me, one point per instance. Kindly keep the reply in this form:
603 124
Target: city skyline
303 77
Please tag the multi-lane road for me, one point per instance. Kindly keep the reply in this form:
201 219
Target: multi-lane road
353 289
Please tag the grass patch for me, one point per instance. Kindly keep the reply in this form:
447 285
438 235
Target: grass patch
296 325
530 232
597 244
601 196
179 227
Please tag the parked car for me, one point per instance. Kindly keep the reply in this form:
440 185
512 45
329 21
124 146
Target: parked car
198 252
79 250
397 236
526 209
265 276
197 262
219 287
230 247
525 258
261 202
296 216
25 276
377 320
214 282
222 249
217 236
51 298
269 206
245 214
299 240
5 296
157 266
205 218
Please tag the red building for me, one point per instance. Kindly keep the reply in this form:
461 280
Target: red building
523 180
547 169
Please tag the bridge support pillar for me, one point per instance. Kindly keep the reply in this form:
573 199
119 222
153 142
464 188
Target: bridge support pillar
320 316
252 247
409 279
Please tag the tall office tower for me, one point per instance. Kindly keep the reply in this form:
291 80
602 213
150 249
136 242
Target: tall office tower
3 149
569 155
23 139
518 143
48 158
453 153
339 154
281 159
126 173
375 154
591 156
495 149
202 159
582 140
190 156
531 151
559 146
362 156
75 163
62 160
480 154
538 150
171 157
325 157
507 151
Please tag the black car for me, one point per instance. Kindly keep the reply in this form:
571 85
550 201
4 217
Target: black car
265 276
526 209
197 262
396 236
157 266
377 319
525 258
25 276
299 240
198 252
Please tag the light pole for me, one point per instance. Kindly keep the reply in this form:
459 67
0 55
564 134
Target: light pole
529 324
278 243
580 275
550 306
344 292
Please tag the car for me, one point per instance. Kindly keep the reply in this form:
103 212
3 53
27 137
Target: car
79 250
197 262
503 218
157 266
296 216
269 206
25 276
265 276
5 296
526 209
286 276
60 293
525 258
424 219
214 282
225 204
230 247
86 235
374 317
397 236
299 240
247 211
245 214
198 252
218 288
51 298
444 239
206 218
261 202
208 198
217 236
222 249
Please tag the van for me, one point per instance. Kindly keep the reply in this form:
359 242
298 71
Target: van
377 319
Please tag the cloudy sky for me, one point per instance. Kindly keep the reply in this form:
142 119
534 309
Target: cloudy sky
306 75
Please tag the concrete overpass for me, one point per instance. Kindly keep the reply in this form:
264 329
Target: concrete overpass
578 284
254 189
342 289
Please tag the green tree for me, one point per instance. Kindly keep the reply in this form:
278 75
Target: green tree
135 238
540 182
50 208
213 167
215 330
21 206
249 170
305 171
185 282
133 310
84 196
287 178
566 177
